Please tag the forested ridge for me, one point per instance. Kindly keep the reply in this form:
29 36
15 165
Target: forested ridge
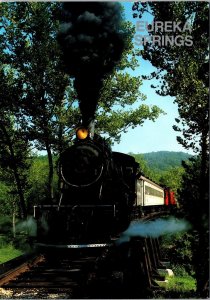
162 160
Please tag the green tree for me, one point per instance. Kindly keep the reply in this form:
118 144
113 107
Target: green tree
14 162
38 177
172 178
32 53
14 146
5 205
183 73
197 211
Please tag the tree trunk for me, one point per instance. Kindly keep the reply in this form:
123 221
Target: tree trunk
60 148
202 253
15 172
20 193
13 220
50 174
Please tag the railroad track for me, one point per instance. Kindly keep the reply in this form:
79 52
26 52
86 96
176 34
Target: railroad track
56 274
112 272
15 267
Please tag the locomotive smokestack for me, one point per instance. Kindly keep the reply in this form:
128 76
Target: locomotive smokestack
92 40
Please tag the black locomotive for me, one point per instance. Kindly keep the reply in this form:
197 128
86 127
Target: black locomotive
102 192
97 194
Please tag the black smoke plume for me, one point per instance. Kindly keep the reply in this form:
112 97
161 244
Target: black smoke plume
92 40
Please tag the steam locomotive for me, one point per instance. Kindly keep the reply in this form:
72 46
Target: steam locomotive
102 192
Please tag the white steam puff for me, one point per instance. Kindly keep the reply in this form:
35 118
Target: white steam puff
29 226
153 229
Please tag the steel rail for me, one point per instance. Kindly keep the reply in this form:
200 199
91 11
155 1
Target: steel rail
13 272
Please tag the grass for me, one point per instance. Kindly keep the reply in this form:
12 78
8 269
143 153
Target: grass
183 284
11 247
7 250
177 287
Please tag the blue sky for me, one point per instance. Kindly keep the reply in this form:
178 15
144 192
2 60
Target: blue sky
152 136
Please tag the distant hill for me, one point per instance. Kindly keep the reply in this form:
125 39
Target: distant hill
162 160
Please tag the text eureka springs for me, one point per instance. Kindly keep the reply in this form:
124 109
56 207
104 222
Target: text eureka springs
166 33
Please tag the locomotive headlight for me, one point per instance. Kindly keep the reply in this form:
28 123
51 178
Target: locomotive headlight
82 133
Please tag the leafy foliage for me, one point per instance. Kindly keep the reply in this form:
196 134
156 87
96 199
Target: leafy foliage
194 202
182 70
190 193
178 249
38 177
14 162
